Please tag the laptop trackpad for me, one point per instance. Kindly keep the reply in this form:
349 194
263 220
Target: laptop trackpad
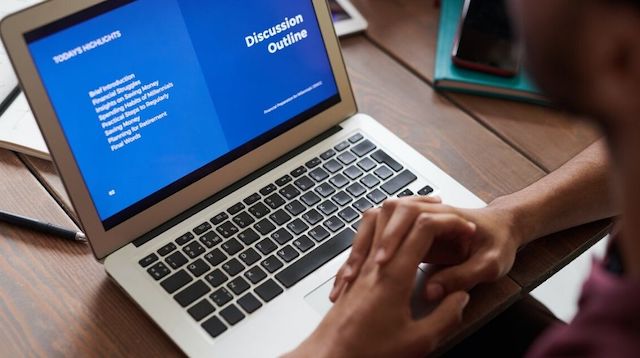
319 297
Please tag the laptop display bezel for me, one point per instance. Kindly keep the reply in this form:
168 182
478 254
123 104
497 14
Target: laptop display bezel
104 242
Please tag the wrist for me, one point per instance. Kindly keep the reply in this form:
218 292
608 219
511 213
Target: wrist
513 214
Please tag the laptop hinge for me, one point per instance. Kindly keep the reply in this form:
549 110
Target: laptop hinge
233 187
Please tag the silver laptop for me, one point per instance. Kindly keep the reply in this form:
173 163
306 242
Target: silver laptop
215 156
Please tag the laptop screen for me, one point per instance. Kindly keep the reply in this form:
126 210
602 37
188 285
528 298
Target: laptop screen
153 95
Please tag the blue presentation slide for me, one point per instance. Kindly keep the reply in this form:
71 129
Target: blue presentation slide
154 90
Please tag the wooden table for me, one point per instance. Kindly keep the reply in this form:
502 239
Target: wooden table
55 299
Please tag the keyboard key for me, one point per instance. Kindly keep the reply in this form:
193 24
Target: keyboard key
227 229
312 216
288 253
318 174
325 189
304 183
366 164
363 148
185 238
327 207
370 181
233 267
339 181
398 182
289 192
194 249
268 290
198 267
192 293
251 199
201 310
210 239
362 205
353 172
310 198
282 236
238 285
232 314
274 201
376 196
316 258
332 166
214 326
176 281
313 163
215 257
284 180
347 158
425 191
355 138
259 210
167 249
297 226
232 247
404 193
271 264
236 208
280 217
249 256
216 220
176 260
266 246
348 214
248 236
158 271
298 171
221 296
148 260
243 219
341 146
303 243
255 274
341 198
268 189
264 226
356 224
318 233
249 303
328 154
356 189
383 172
333 223
382 157
216 278
202 228
295 208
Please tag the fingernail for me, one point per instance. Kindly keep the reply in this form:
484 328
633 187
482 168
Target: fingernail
380 256
434 291
348 271
466 299
472 226
436 198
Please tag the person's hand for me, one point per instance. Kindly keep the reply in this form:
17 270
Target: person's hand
485 256
373 317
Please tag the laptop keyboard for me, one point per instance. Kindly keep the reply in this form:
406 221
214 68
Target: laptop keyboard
230 266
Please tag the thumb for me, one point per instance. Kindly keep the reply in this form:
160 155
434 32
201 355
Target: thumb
461 277
444 319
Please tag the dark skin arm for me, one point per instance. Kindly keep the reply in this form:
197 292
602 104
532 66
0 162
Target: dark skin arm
574 194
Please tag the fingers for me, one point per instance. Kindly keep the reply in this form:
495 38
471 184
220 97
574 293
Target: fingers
461 277
359 252
419 240
441 322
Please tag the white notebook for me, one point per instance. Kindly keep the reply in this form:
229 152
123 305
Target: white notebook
19 131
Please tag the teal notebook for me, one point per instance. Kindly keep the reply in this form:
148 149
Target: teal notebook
452 78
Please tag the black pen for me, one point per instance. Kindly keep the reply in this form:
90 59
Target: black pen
41 226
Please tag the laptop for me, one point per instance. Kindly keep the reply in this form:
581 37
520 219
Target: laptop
215 157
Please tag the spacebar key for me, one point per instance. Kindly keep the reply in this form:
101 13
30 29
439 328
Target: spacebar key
316 258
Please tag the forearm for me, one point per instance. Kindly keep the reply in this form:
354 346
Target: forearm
576 193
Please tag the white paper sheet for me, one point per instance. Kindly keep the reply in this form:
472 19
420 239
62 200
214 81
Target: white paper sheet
19 130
